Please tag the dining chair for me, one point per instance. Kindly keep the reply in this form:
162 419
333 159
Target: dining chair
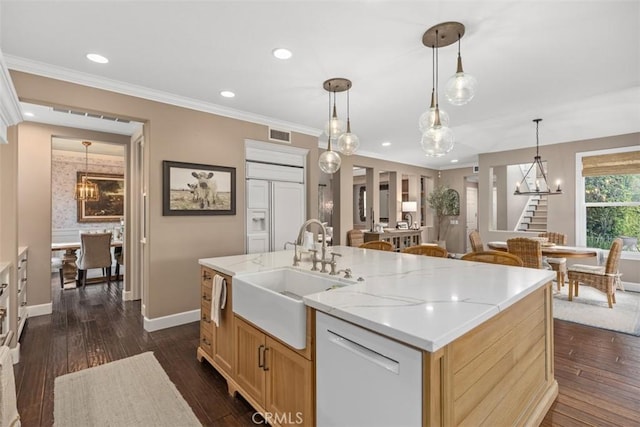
494 257
529 251
379 245
476 241
603 278
355 237
559 265
426 250
95 252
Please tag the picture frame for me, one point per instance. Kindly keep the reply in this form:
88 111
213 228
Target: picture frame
110 206
198 189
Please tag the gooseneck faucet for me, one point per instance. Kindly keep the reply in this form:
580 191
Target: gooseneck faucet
299 240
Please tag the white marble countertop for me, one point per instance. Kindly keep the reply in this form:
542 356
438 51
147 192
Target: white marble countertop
423 301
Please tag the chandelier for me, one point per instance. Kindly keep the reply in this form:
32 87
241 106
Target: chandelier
347 142
86 190
437 137
533 184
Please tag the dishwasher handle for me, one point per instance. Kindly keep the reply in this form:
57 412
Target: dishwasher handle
364 352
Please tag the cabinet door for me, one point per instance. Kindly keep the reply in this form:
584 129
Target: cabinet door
257 194
250 347
223 349
290 389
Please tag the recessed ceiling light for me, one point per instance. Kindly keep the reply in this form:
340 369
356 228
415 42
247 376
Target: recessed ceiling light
282 53
227 94
28 114
454 160
97 58
386 144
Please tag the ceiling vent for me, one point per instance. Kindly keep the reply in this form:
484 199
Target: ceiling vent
93 115
279 136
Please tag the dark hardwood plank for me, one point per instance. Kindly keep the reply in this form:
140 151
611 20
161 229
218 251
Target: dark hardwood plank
598 371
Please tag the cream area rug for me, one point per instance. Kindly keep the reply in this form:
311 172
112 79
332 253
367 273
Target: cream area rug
591 308
129 392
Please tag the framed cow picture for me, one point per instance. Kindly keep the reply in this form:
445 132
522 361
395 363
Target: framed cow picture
196 189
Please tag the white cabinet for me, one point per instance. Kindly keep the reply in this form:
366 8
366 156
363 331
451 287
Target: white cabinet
23 312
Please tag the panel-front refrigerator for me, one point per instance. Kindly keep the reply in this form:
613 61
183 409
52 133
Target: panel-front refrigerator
275 212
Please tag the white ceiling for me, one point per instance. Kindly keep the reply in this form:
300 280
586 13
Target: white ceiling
573 63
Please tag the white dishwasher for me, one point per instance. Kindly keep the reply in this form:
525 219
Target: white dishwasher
365 379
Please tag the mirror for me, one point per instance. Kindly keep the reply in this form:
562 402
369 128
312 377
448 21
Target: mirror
362 202
511 212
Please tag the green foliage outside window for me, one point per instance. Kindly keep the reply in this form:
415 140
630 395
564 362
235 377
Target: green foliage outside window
606 222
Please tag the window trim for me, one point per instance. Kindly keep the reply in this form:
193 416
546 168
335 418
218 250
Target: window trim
581 205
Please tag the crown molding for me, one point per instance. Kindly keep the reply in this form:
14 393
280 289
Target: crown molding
65 74
10 111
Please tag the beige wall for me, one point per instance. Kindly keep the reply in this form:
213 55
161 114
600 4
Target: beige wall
34 198
343 190
561 161
175 243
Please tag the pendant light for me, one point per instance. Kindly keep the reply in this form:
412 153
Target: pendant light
437 140
461 87
329 161
428 118
348 142
535 187
86 190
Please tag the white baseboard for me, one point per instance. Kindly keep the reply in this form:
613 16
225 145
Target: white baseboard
127 295
630 286
171 320
40 310
15 353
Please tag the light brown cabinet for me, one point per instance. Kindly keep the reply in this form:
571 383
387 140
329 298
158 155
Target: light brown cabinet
274 376
216 342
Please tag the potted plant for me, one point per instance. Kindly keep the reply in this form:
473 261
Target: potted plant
445 202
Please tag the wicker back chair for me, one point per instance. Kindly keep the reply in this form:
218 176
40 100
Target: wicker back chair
604 279
476 241
427 250
554 237
355 237
494 257
559 265
529 251
379 245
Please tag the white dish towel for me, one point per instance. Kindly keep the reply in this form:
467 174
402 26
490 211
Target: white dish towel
219 299
8 405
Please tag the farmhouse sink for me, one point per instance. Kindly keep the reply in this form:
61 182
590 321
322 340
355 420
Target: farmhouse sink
272 300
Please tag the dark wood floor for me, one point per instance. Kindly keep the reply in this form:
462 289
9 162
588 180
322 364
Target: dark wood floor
598 371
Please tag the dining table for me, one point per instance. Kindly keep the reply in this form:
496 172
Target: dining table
69 267
554 251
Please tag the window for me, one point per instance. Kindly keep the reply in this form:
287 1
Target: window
608 198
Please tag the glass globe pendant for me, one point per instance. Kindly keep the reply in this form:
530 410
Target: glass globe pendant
329 161
461 87
428 118
437 140
348 142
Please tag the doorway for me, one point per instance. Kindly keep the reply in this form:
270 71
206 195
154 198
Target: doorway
127 135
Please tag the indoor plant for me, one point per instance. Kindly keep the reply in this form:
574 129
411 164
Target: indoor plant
445 202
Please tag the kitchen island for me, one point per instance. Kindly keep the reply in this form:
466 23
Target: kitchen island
484 332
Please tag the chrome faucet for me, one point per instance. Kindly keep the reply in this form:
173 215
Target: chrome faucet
299 241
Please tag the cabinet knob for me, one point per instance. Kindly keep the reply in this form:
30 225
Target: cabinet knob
206 276
204 319
204 297
264 362
204 340
23 303
261 356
